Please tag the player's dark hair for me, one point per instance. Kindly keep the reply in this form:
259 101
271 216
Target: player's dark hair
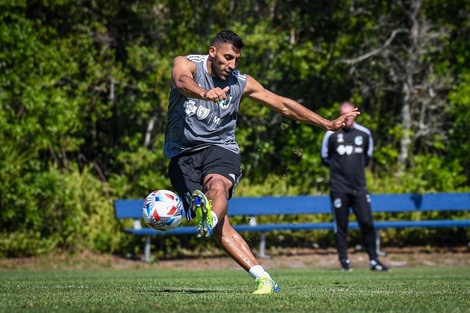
228 36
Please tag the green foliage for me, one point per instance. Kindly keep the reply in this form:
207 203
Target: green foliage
142 171
459 145
429 174
83 103
54 209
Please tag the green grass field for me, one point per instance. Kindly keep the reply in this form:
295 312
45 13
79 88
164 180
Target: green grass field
433 289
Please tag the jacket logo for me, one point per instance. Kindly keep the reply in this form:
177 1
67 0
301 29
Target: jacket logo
358 140
342 149
340 138
202 112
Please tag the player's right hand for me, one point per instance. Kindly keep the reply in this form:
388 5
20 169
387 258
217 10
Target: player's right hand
216 94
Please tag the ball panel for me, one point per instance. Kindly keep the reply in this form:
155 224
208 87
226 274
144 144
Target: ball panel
162 210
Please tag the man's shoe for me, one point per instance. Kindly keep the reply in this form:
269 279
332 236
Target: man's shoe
266 286
346 265
203 210
375 265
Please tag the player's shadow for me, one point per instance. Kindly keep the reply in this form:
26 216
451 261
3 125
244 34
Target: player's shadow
191 291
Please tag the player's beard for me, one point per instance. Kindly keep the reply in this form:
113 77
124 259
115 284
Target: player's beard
216 71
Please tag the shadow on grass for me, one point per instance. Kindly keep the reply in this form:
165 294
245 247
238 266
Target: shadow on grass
189 291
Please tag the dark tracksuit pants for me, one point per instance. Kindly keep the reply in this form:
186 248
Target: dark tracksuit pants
360 204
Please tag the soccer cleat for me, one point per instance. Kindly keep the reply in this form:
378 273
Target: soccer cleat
266 286
346 265
375 265
203 210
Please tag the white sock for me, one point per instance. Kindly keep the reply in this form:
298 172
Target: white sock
258 271
215 220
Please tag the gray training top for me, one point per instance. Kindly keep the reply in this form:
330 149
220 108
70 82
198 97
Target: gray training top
194 124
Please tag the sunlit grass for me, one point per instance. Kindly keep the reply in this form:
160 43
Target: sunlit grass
303 290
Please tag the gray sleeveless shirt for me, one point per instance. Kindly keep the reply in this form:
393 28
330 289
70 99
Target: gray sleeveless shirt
194 124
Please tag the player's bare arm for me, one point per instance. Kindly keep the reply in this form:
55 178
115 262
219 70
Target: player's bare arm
292 109
182 78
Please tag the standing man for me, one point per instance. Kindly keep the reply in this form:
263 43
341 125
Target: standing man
347 153
205 165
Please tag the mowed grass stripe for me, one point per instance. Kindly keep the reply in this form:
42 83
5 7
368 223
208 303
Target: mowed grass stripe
414 290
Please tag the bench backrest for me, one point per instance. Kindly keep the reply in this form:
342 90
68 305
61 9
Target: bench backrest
269 205
420 202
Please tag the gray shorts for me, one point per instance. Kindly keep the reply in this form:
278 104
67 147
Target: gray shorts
187 171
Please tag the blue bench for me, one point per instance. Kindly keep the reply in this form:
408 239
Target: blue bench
253 207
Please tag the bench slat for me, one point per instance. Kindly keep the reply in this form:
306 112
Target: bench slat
415 202
422 223
191 230
254 206
128 208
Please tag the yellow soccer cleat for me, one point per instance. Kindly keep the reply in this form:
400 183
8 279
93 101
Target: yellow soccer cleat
203 210
266 286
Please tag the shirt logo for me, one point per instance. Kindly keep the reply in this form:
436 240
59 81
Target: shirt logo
202 112
224 104
190 106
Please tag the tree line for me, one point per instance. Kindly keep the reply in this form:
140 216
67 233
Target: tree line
84 88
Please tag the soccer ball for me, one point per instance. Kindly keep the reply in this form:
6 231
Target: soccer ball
162 210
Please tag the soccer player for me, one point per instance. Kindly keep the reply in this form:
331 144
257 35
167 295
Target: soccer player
347 153
205 165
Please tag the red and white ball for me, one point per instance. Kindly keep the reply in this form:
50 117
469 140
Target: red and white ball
162 210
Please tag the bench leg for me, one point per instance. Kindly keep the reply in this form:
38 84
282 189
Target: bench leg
262 247
147 249
377 242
